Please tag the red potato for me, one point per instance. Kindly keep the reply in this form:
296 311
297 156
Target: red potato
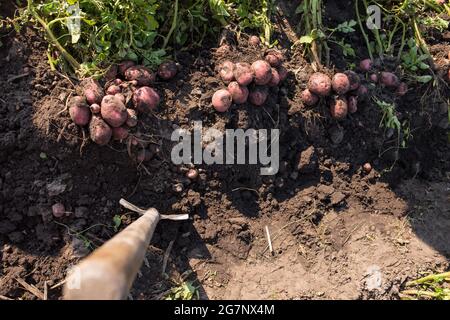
367 167
226 71
275 80
282 72
92 91
339 108
254 41
192 174
352 104
258 95
353 78
340 83
388 79
366 65
320 84
125 65
79 111
132 119
58 210
308 98
243 73
374 77
80 115
273 60
362 92
262 71
221 100
239 93
121 97
118 82
95 108
113 89
141 74
120 133
167 70
146 99
99 131
113 111
402 89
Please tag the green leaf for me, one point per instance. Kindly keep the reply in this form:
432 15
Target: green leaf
424 79
117 220
306 39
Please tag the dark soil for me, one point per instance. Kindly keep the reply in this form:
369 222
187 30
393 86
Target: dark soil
327 215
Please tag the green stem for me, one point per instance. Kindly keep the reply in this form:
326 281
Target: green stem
73 63
432 277
172 28
366 38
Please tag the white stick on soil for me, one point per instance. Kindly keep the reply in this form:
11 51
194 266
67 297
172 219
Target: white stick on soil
269 240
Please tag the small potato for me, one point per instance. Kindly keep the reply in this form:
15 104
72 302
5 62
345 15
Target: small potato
275 80
167 70
146 99
362 92
258 95
123 66
367 167
221 100
352 104
243 73
282 71
113 89
79 111
340 83
92 90
120 133
308 98
273 60
113 111
239 93
99 131
80 115
402 89
354 79
262 71
141 74
320 84
95 108
389 80
373 78
118 82
254 41
132 119
366 65
339 108
226 71
192 174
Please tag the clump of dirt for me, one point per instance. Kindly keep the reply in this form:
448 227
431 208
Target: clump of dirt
333 224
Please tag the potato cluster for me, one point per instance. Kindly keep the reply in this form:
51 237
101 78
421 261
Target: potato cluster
249 82
111 110
344 89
